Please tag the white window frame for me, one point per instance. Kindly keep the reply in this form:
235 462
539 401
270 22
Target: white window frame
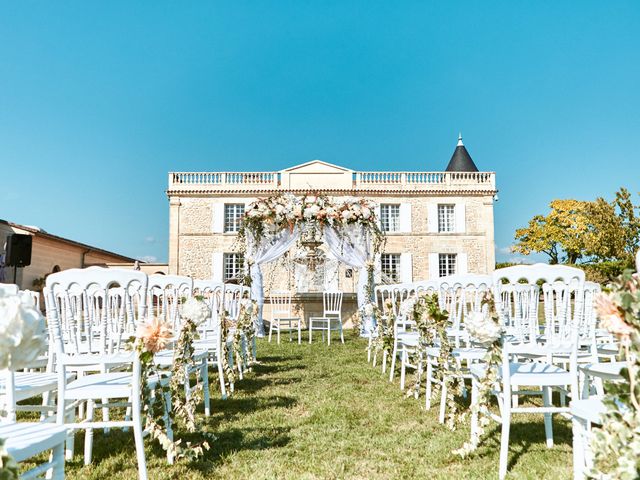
390 267
233 213
447 264
446 218
232 266
389 223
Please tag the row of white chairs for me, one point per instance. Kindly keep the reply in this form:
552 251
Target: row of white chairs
546 357
90 315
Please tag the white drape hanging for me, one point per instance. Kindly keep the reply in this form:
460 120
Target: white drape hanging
353 247
262 250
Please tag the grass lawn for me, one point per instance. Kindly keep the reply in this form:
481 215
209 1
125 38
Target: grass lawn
313 411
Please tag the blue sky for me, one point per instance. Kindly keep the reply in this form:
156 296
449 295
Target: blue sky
100 100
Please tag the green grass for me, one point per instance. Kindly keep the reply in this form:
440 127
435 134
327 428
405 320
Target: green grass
313 411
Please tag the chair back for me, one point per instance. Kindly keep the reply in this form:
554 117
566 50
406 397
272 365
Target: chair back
332 302
86 309
164 293
232 296
280 304
460 296
9 288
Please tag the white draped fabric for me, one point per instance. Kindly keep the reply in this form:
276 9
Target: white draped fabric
262 250
352 246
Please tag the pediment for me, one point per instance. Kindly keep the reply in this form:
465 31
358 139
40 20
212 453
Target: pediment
316 166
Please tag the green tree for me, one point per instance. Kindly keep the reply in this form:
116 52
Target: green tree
561 234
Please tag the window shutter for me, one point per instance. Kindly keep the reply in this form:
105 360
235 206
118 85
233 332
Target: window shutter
434 268
460 217
462 263
405 217
432 218
377 269
406 268
217 222
217 265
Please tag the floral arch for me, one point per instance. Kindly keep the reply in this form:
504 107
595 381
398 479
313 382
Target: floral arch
349 225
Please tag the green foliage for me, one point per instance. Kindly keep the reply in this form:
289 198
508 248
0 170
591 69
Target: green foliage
601 233
616 443
8 466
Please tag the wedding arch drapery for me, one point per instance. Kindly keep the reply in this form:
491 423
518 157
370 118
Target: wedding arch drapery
265 249
352 246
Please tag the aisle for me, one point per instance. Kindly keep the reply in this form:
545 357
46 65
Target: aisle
311 412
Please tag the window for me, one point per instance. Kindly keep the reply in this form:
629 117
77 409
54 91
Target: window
233 266
447 264
233 213
390 267
446 219
390 217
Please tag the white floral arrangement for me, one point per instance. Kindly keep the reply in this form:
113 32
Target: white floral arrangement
407 307
195 309
482 328
22 331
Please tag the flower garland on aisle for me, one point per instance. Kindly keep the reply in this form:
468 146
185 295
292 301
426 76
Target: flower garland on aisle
163 402
384 335
235 333
432 323
485 330
22 340
616 443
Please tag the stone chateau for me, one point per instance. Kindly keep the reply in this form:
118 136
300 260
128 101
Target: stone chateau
437 223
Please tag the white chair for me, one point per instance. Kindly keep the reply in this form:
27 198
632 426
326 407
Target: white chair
282 315
585 413
9 288
68 302
331 317
210 331
461 296
164 297
24 440
561 339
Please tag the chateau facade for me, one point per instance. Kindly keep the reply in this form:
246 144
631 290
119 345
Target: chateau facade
437 223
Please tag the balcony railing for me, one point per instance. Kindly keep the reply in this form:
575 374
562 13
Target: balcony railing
203 181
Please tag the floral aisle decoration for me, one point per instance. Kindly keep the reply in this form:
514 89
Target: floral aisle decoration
485 330
22 340
163 402
616 443
384 322
244 333
432 323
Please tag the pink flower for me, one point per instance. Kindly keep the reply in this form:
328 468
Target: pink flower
611 317
155 335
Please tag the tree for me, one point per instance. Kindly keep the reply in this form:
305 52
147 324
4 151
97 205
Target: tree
562 232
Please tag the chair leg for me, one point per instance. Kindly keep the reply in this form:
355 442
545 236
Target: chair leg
139 441
167 420
474 412
57 457
369 349
341 332
310 329
88 436
392 368
329 332
204 371
71 436
548 421
384 361
299 332
270 330
427 402
504 439
443 398
403 369
223 388
278 333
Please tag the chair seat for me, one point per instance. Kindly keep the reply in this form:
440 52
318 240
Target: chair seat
30 384
165 357
410 339
103 385
589 409
471 353
606 371
23 440
609 349
323 321
532 374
